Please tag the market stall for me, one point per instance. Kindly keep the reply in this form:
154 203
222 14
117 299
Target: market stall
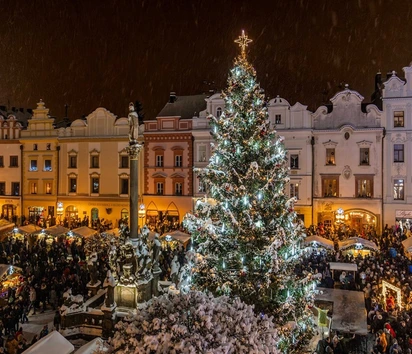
10 277
92 346
53 343
407 246
174 238
317 242
84 231
357 246
5 227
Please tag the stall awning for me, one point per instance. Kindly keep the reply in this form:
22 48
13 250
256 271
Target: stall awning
351 267
7 269
321 241
29 229
5 225
91 347
84 231
357 241
57 230
53 343
407 244
178 236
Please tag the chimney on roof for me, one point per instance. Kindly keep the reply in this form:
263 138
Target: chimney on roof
172 97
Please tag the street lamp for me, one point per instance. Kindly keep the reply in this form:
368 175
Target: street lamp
142 212
339 216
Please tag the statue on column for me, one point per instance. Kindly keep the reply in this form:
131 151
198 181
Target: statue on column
156 247
92 268
133 125
110 284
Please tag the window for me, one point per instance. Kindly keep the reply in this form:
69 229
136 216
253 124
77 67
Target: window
73 161
398 189
202 153
34 147
330 186
178 160
124 186
278 119
364 186
159 160
15 188
48 187
2 188
33 165
178 188
1 161
398 153
47 165
218 112
294 161
159 188
124 161
33 187
72 184
94 161
202 187
330 156
48 146
14 161
398 119
294 189
364 156
95 181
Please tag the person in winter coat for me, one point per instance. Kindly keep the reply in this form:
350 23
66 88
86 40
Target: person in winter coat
32 298
382 340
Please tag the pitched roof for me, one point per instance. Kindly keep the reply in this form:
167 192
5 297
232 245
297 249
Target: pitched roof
184 107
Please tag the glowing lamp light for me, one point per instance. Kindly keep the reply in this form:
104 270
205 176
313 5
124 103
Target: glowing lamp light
168 238
70 233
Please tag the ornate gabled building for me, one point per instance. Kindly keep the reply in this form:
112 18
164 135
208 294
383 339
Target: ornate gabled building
168 160
347 169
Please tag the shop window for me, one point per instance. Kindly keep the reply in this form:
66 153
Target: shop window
399 119
278 119
294 189
33 165
398 189
95 185
73 161
364 156
178 188
159 160
159 188
218 112
48 187
33 187
2 188
178 160
14 161
201 153
124 214
124 186
48 165
294 161
15 188
330 186
398 153
124 161
95 214
330 156
364 186
72 184
1 161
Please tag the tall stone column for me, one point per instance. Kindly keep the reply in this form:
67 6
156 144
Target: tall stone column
134 151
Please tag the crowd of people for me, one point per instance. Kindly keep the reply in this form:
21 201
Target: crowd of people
388 315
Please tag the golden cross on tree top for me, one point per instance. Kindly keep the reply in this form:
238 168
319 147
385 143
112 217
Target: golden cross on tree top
243 42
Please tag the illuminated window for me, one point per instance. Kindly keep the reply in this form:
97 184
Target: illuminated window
294 161
398 189
48 187
33 187
178 188
95 184
47 165
398 119
330 186
364 186
294 189
278 119
159 188
330 156
202 187
72 184
202 153
398 153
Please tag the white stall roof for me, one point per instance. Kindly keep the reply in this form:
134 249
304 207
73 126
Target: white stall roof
352 241
324 242
91 347
53 343
351 267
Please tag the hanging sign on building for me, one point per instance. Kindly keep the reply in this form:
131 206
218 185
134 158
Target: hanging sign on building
403 214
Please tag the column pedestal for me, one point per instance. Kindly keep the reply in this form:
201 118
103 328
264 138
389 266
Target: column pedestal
93 289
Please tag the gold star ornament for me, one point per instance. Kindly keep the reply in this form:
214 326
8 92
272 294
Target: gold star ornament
243 42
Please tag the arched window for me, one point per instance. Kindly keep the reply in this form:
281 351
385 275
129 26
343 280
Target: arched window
218 112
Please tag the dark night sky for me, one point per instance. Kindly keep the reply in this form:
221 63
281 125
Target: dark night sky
110 52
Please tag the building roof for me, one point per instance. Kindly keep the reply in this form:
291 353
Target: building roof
184 106
21 114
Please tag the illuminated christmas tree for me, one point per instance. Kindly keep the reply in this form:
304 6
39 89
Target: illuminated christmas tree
247 236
